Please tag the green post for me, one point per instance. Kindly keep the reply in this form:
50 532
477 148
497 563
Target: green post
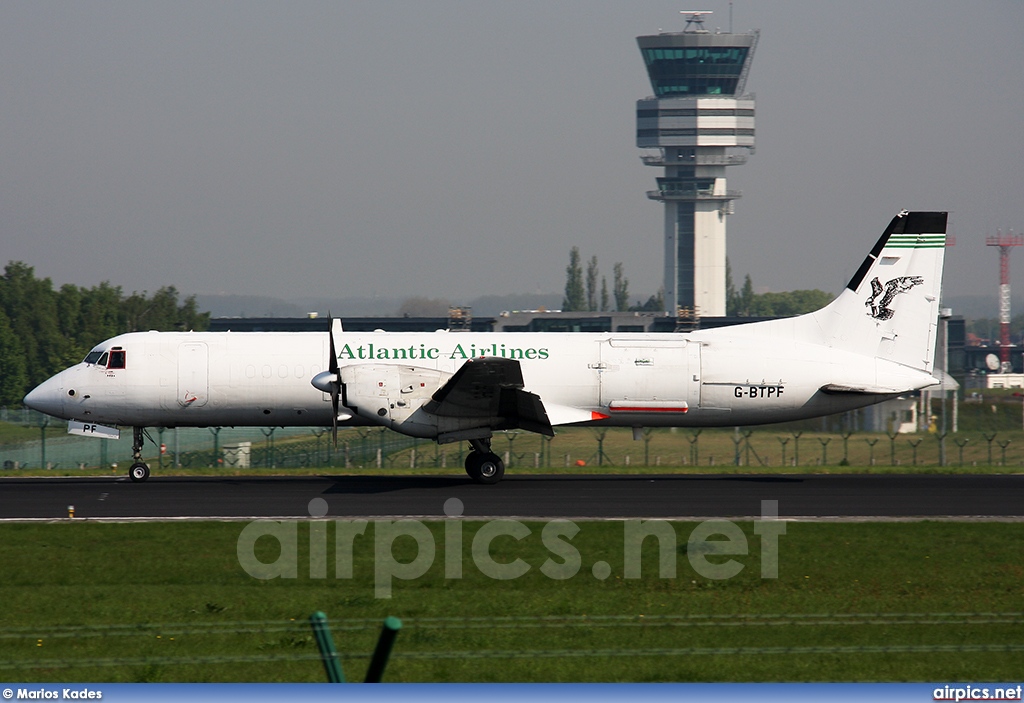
43 424
380 655
160 449
332 662
216 446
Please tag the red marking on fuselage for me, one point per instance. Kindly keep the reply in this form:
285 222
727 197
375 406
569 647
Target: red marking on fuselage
628 409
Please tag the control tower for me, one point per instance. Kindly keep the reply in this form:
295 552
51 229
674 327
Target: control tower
700 122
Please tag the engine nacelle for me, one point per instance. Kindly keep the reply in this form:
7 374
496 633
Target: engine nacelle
393 395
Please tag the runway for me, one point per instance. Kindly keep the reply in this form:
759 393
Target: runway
849 497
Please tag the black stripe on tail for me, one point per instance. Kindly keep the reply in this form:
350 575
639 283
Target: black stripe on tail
903 223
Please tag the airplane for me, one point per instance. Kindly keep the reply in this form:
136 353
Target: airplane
873 342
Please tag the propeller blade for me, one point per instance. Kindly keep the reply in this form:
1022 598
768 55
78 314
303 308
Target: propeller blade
332 365
334 418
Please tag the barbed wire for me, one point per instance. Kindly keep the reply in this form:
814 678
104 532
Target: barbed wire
369 625
736 619
522 654
514 621
137 630
700 651
91 663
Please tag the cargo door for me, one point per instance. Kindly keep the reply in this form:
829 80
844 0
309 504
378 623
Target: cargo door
650 371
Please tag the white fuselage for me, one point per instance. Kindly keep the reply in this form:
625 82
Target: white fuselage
723 377
876 340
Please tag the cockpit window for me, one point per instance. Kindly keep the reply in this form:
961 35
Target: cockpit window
93 357
117 359
102 360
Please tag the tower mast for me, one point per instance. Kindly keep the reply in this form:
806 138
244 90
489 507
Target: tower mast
700 121
1004 242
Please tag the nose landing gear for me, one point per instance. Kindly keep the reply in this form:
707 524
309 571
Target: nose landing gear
139 471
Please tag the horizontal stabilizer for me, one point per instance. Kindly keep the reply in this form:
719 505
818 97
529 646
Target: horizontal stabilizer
836 389
942 382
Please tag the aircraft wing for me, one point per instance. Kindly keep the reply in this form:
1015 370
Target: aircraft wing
490 389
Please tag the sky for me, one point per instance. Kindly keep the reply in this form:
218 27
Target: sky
455 149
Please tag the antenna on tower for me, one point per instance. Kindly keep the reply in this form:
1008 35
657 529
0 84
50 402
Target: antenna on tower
695 17
1004 242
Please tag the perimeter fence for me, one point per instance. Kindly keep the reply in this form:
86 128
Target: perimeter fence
764 447
215 447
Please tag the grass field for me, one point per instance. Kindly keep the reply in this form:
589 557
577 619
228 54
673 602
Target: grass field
852 602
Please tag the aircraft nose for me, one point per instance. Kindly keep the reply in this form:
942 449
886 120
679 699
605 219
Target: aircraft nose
47 397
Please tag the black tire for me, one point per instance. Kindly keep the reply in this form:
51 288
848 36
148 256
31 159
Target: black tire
487 469
473 465
138 472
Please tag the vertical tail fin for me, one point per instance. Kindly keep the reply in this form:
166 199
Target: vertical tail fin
890 307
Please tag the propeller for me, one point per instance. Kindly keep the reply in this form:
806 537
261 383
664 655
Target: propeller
335 385
330 382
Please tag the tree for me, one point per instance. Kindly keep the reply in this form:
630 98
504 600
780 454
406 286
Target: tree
424 307
592 284
100 312
31 307
604 294
620 288
732 298
747 303
656 303
13 379
44 331
161 312
575 297
189 316
746 300
794 302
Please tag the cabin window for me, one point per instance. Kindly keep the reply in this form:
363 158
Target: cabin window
117 359
93 357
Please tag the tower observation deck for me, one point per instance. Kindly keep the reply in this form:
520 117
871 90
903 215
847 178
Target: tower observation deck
700 121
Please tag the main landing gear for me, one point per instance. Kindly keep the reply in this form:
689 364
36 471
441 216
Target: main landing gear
483 465
139 471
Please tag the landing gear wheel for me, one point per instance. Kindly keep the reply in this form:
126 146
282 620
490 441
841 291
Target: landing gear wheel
138 472
485 467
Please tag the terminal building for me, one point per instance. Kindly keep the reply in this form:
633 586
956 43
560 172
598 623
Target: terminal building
699 122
